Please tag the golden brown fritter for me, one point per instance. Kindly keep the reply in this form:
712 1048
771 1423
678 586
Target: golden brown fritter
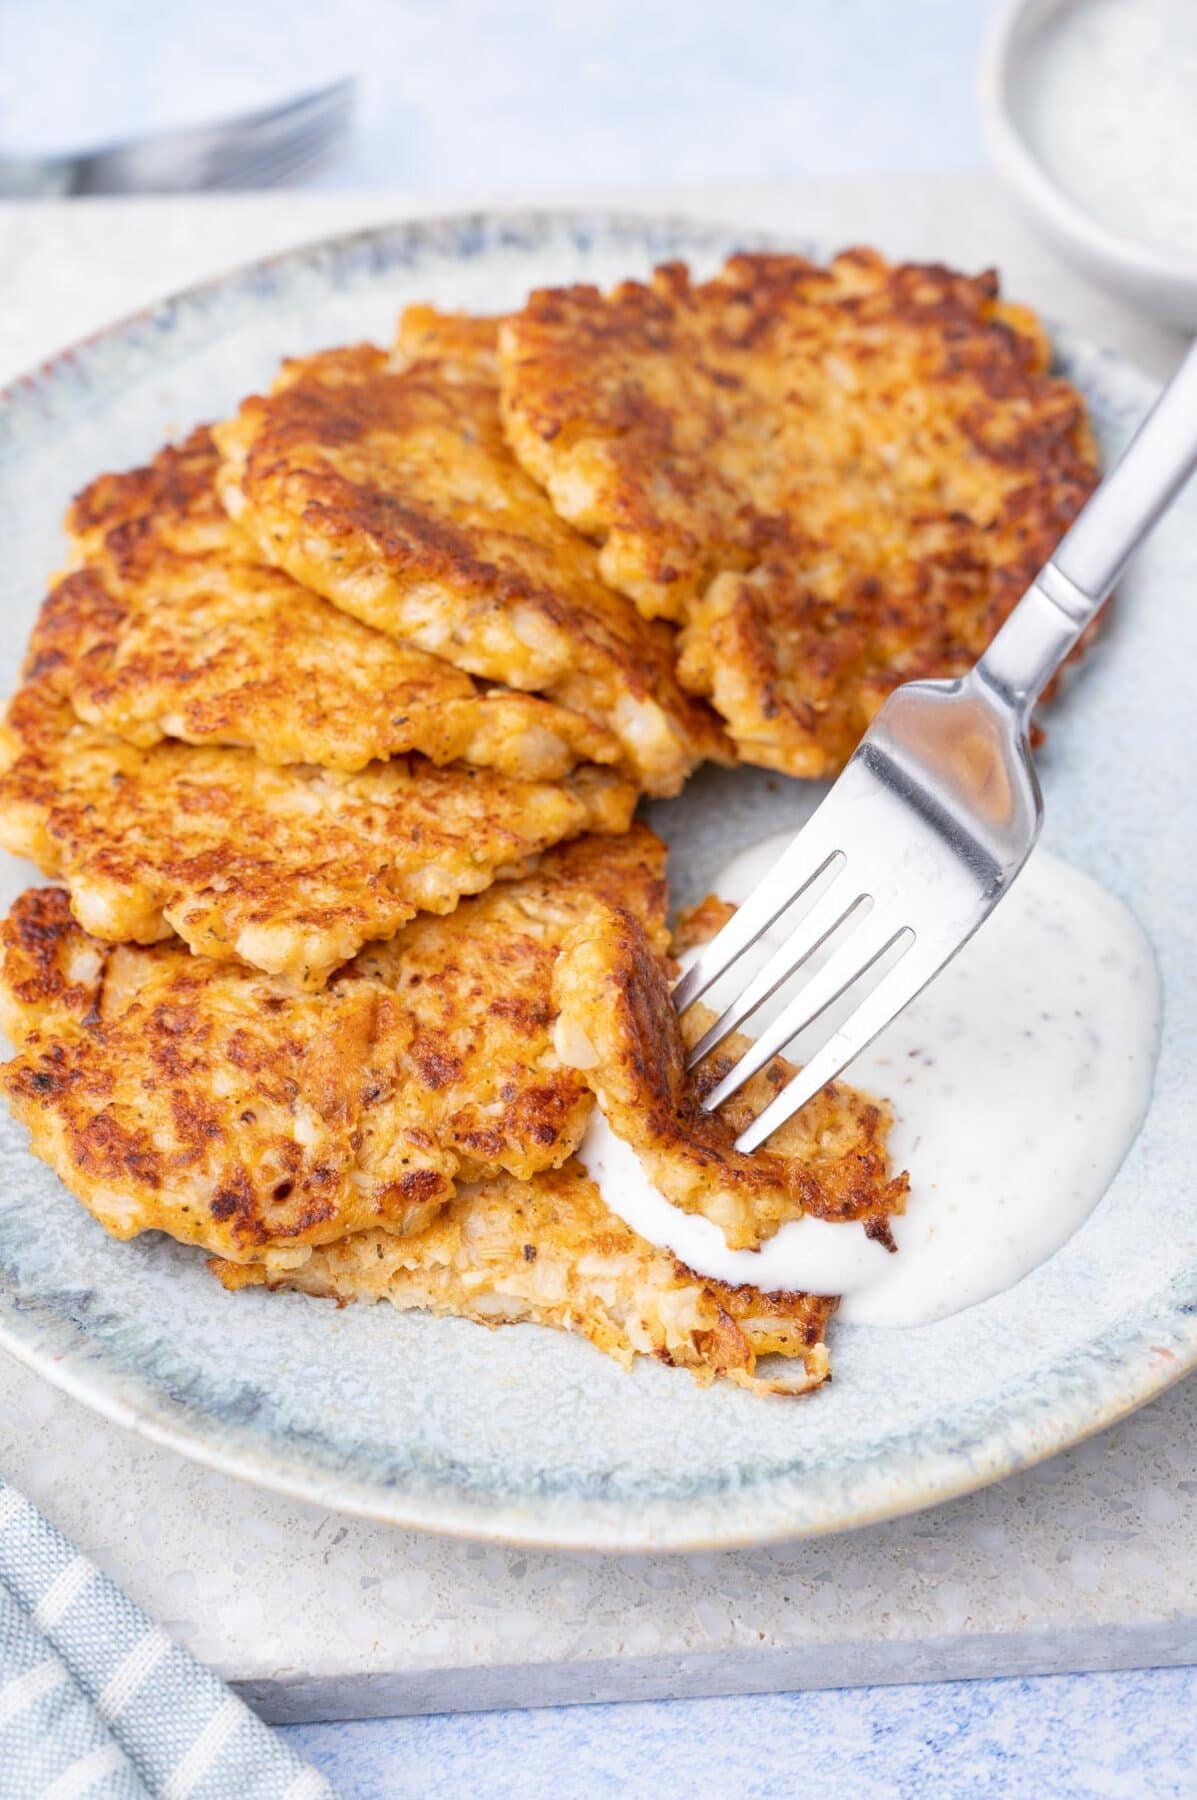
480 983
288 869
384 483
225 1107
233 1110
617 1025
170 625
548 1250
835 479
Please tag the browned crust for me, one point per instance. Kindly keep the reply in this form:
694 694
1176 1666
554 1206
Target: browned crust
168 1092
836 479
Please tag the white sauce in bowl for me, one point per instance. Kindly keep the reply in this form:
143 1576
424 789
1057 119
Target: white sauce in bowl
1018 1081
1108 103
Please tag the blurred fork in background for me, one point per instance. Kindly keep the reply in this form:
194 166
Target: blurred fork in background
265 148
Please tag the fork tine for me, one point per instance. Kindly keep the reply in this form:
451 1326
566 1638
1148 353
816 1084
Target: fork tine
281 164
798 866
332 101
223 154
892 993
811 932
269 151
867 945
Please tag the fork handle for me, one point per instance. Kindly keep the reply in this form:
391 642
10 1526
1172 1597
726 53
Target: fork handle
1069 591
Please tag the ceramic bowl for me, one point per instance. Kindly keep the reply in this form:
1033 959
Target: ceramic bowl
1161 283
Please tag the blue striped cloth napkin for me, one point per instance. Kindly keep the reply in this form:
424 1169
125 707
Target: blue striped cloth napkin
97 1703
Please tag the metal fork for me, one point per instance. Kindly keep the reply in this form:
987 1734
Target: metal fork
939 807
258 149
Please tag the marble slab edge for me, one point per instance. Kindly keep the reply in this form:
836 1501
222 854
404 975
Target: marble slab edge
299 1700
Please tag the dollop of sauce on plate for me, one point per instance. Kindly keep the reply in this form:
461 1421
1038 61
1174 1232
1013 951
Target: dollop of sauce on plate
1108 104
1018 1080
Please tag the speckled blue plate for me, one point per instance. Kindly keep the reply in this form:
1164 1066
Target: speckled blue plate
523 1433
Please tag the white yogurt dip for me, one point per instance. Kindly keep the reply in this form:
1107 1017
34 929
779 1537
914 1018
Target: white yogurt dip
1018 1081
1108 104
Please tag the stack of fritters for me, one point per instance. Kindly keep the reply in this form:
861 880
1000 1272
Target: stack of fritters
292 852
384 482
409 1131
334 725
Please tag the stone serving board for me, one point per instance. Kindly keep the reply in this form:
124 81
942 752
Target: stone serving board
1087 1562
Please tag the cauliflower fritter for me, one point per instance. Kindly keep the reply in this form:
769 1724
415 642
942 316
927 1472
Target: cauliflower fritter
384 483
171 1093
233 1110
169 625
616 1024
288 869
548 1250
834 479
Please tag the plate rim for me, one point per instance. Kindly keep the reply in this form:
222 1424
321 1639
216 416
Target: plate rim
662 1525
47 1343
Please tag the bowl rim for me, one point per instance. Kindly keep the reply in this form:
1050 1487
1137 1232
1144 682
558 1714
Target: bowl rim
1015 158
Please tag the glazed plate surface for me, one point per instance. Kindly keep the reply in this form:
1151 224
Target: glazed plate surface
527 1434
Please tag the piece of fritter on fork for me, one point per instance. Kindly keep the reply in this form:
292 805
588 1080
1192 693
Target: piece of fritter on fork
549 1251
383 482
617 1026
835 479
235 1111
169 624
288 869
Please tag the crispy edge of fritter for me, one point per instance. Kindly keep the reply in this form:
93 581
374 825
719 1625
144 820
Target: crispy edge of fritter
581 416
464 346
616 1023
51 971
498 585
550 1252
254 875
698 924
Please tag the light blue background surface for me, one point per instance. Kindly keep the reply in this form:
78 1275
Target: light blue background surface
1126 1736
454 91
510 92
